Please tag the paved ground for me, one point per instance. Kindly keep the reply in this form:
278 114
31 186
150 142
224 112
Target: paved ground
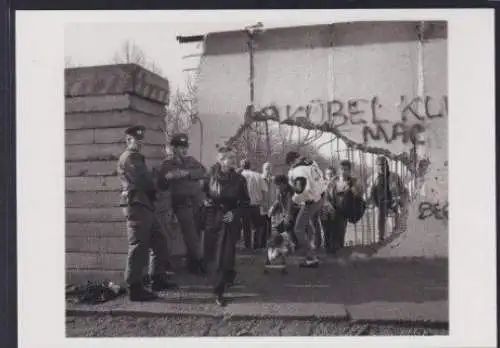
173 326
411 292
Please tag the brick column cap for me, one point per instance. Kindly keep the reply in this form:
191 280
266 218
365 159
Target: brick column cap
116 79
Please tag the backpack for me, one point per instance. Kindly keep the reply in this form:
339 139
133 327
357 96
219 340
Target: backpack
353 206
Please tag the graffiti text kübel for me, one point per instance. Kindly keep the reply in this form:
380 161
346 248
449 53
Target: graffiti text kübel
337 113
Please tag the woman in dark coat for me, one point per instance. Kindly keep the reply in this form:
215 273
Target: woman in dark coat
227 193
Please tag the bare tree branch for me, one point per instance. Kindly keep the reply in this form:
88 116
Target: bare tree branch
129 52
328 142
181 109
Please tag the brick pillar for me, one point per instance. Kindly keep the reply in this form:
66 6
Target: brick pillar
101 102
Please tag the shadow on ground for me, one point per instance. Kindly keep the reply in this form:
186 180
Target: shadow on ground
335 281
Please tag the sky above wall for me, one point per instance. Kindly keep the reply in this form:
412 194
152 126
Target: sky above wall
96 44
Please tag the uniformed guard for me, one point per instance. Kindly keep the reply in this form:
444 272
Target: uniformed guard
137 200
181 174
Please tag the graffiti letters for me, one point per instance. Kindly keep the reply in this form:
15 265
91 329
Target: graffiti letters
428 209
356 111
369 114
399 130
414 106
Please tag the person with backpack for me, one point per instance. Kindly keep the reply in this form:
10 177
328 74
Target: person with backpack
346 197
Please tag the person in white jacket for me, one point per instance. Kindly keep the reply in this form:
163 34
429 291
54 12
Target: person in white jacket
252 218
309 185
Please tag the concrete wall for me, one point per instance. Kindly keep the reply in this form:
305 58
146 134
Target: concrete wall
356 79
101 102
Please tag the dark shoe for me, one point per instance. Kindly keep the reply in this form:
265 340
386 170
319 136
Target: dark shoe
220 300
202 269
197 267
161 283
137 293
231 279
309 262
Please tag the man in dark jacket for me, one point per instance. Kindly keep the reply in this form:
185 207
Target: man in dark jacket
137 200
181 174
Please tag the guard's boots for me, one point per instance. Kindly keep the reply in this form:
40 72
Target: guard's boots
161 283
137 293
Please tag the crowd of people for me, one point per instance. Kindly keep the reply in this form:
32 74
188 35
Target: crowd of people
219 206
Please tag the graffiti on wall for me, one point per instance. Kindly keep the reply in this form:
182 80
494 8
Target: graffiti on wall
367 113
437 210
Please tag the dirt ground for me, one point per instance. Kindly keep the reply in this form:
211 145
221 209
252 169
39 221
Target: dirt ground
172 326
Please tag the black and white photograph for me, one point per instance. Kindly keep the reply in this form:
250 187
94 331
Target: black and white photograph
261 175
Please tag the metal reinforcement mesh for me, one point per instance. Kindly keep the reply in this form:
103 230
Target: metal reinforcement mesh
365 232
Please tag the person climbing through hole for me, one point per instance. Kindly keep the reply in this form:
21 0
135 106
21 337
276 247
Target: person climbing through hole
387 192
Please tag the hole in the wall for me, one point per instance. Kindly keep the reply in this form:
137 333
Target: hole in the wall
253 145
446 163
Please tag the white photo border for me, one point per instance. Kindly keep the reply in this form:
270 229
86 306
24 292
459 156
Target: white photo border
40 173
